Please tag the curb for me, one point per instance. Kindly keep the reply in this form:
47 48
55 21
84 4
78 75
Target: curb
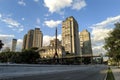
106 74
105 77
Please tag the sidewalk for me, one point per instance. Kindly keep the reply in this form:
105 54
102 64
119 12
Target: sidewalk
116 72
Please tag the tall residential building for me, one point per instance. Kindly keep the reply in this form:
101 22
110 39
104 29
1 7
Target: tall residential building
24 41
37 38
70 35
33 38
14 42
29 40
85 42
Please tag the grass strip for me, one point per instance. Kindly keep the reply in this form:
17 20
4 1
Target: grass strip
110 75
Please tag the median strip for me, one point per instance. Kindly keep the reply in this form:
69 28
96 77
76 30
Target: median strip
110 75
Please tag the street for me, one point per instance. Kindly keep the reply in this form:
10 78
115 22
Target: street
56 72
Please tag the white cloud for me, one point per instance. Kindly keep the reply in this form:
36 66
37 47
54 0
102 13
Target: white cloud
110 20
21 2
36 0
78 4
13 24
6 36
98 50
59 37
58 5
100 32
52 23
47 38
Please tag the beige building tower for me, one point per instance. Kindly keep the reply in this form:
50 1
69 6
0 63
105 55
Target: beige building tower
29 39
14 42
33 38
24 41
85 42
70 35
37 38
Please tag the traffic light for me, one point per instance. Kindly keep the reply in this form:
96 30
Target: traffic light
1 44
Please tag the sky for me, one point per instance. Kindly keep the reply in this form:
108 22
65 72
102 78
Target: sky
17 17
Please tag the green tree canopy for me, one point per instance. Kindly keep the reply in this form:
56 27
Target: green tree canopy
29 56
26 56
112 43
1 44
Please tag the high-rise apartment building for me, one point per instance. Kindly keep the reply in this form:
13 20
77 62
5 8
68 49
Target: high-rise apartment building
33 38
14 43
70 35
24 41
85 42
29 40
37 38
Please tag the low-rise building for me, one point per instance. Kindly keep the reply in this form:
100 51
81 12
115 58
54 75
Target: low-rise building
49 51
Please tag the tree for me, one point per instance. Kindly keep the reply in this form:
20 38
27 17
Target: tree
9 57
1 44
26 56
112 43
29 56
4 57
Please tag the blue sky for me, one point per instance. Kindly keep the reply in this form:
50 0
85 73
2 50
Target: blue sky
19 16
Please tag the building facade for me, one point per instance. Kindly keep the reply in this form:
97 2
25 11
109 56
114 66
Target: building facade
33 38
24 41
37 38
29 40
85 42
53 42
49 51
14 43
70 36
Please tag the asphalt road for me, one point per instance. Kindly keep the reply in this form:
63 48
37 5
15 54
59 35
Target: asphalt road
93 73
